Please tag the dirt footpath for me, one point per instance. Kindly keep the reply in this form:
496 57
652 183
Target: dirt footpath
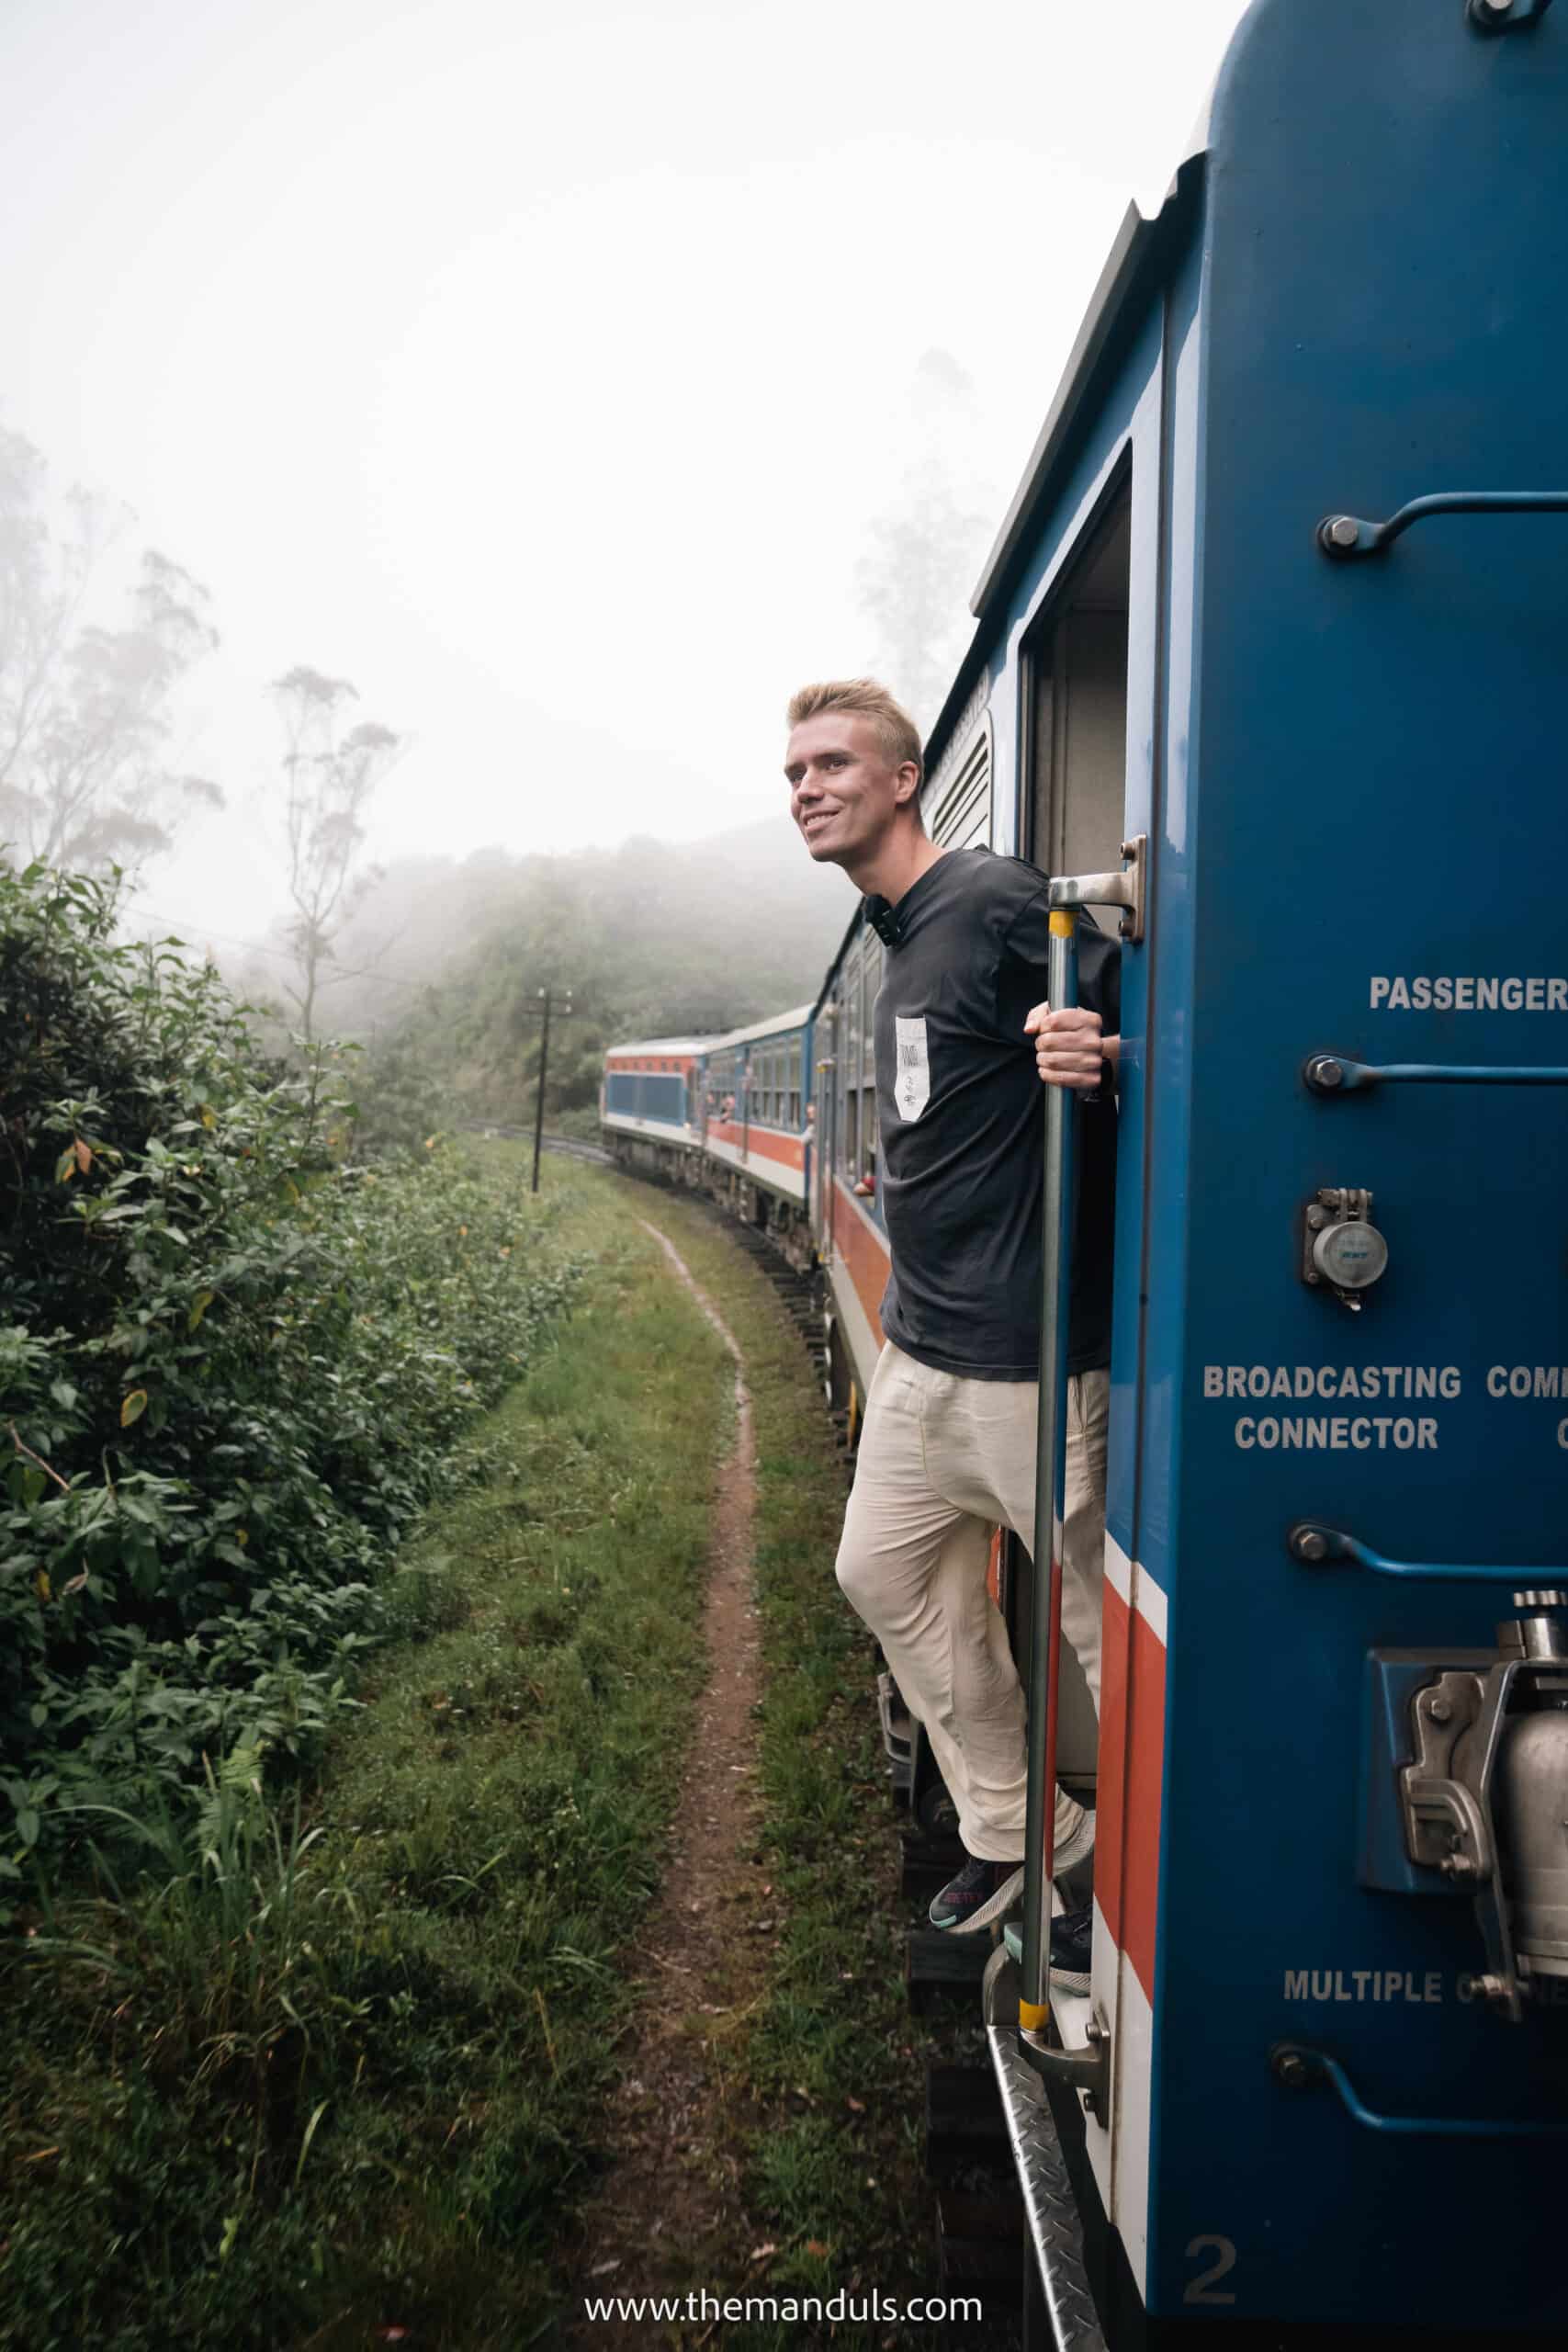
670 2213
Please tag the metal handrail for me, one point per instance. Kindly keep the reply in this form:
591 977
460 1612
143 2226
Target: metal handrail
1346 537
1337 1074
1050 1473
1066 895
1300 2066
1316 1545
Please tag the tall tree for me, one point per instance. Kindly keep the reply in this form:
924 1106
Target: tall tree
86 710
924 551
330 770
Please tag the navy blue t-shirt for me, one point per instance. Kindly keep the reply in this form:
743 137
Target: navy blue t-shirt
961 1120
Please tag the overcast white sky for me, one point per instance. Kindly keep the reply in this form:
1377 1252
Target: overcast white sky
538 366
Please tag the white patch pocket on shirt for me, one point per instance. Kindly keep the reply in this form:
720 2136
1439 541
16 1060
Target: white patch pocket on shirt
912 1087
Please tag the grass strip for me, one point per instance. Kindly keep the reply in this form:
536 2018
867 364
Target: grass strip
340 2076
825 2081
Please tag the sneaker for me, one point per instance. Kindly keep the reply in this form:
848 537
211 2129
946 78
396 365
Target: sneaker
981 1893
1071 1935
1074 1842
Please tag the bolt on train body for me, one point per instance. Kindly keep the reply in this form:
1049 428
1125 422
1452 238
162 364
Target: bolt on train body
1272 665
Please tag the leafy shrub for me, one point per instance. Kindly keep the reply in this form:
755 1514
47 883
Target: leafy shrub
234 1366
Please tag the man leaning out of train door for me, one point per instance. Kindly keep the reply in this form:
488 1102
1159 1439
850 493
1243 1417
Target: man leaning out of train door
947 1447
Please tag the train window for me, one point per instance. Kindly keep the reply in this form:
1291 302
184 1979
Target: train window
661 1097
848 1046
848 1058
956 802
870 982
1076 674
870 1137
840 1044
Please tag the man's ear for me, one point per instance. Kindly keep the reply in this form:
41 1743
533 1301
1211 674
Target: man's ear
909 786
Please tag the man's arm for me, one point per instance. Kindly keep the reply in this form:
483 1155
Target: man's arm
1069 1048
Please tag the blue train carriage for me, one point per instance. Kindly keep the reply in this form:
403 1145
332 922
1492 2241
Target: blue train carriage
756 1128
1280 603
846 1218
650 1106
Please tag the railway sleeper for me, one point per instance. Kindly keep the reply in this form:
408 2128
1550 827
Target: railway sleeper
941 1969
925 1865
979 2245
964 2123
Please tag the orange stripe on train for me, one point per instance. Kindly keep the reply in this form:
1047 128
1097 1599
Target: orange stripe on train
1132 1753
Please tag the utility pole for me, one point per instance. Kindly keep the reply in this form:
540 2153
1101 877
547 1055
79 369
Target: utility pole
544 1067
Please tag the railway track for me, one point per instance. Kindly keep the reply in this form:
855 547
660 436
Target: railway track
567 1145
570 1148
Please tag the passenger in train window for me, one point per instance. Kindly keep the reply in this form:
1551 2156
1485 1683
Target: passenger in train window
947 1446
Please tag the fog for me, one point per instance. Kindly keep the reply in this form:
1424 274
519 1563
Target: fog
560 376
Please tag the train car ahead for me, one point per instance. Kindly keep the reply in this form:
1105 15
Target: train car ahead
650 1104
757 1132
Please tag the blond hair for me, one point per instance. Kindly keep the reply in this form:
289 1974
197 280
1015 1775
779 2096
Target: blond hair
895 730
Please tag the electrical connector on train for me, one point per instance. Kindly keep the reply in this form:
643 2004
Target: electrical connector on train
1340 1244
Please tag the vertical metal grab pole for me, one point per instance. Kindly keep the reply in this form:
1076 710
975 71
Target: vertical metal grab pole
1056 1243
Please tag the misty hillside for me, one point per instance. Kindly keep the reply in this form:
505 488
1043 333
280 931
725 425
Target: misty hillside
442 963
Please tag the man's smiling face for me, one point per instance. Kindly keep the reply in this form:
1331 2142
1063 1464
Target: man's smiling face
843 794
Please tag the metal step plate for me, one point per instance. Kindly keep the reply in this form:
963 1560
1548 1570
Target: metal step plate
1053 2214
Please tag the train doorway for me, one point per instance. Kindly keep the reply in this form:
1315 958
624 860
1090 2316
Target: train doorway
1072 786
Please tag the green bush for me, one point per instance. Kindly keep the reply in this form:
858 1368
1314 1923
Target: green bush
233 1366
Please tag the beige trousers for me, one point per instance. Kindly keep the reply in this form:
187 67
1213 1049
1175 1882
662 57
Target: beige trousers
942 1460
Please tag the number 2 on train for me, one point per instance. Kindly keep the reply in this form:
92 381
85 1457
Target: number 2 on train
1201 2290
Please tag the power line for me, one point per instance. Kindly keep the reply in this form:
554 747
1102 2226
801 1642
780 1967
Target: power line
279 955
282 955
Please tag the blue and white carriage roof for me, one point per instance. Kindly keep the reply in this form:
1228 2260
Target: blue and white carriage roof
775 1024
669 1046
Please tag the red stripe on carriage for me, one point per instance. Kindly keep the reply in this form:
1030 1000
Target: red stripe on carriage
760 1142
864 1252
1132 1768
768 1144
1110 1791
